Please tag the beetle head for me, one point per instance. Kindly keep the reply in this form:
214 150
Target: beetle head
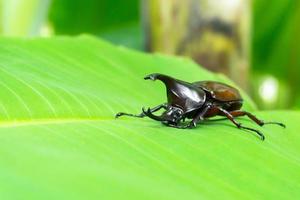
173 115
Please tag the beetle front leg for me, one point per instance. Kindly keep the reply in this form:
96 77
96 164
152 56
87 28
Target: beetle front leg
142 114
179 126
200 116
193 123
149 114
164 121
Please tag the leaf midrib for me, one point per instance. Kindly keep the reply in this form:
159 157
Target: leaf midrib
32 122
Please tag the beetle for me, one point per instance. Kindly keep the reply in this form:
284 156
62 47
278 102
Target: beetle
198 101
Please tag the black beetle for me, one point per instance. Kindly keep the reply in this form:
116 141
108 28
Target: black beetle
198 101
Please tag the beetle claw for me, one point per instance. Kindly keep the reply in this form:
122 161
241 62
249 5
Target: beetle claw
279 124
146 112
192 125
118 115
260 134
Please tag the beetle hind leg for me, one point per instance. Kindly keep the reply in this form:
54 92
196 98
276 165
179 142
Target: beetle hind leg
239 113
277 123
238 125
260 134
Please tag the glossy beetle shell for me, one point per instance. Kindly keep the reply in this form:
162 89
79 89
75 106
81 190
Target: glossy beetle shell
219 91
185 96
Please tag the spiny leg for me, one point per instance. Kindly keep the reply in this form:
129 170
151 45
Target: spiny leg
149 114
179 126
231 118
142 114
200 116
239 113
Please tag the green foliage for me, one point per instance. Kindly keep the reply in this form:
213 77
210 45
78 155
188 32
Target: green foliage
129 35
92 16
274 25
276 42
59 138
116 21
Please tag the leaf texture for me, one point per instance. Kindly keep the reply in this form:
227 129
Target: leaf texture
59 138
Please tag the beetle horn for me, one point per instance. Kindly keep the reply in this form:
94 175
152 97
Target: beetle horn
152 77
180 93
155 76
167 80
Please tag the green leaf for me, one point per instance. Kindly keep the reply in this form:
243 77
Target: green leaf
59 138
95 16
276 45
129 35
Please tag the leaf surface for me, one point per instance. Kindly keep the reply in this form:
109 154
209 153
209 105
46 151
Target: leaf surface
59 138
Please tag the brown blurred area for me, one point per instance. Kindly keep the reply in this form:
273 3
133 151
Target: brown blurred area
215 33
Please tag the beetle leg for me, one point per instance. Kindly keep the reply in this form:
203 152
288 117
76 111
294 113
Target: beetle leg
231 118
149 114
238 113
199 116
185 126
142 114
193 122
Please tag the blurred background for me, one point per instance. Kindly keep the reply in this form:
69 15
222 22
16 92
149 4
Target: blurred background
256 43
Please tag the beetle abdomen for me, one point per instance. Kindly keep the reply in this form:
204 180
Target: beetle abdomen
219 91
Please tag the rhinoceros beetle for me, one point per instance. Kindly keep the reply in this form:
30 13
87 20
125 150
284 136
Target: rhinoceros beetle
198 101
